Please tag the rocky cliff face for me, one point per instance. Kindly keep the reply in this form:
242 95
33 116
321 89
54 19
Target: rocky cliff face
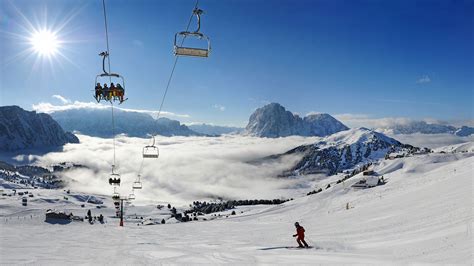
274 121
20 129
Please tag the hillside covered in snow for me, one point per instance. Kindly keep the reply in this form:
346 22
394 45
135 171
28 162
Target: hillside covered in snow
273 121
421 215
20 129
343 150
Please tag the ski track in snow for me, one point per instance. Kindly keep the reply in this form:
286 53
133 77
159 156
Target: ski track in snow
422 215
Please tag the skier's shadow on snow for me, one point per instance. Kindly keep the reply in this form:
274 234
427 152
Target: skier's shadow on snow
57 221
270 248
284 247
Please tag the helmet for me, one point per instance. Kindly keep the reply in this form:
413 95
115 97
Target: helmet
297 224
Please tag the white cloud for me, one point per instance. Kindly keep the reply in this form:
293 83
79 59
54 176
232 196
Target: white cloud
431 140
62 99
51 108
219 107
365 120
189 168
423 79
313 113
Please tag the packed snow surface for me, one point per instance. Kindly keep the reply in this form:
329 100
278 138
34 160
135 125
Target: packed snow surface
422 215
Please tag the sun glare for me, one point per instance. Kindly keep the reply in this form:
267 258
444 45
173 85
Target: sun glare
45 42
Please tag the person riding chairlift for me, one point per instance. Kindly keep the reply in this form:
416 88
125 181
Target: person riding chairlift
105 92
98 92
112 92
120 92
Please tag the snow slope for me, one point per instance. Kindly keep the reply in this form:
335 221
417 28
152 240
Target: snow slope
462 147
422 215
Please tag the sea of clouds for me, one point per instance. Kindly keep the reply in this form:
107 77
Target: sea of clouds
197 168
188 169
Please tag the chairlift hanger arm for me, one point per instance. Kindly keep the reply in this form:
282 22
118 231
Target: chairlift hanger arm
198 12
104 55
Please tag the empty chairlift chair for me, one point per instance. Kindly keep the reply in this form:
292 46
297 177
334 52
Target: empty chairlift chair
131 196
180 50
151 151
137 184
191 51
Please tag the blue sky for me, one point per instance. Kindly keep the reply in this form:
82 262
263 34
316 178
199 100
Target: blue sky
410 59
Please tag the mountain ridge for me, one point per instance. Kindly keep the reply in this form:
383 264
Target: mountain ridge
98 123
21 129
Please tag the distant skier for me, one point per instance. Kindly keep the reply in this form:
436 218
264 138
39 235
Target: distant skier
300 236
89 216
101 218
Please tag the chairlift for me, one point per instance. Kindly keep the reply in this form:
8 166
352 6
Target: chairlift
116 196
131 196
114 178
151 151
180 50
137 184
110 93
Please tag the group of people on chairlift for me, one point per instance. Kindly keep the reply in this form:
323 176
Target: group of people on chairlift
109 93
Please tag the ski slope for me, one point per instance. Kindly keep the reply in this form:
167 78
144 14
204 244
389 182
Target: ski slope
422 215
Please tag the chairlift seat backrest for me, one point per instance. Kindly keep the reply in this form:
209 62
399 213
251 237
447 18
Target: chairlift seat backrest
187 51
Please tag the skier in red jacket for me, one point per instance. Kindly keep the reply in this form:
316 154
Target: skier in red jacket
300 236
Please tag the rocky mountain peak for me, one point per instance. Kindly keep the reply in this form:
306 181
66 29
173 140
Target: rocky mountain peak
273 121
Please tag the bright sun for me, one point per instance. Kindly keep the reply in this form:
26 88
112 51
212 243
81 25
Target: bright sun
45 42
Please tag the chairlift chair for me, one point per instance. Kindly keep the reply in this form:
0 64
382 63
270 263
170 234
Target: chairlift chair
180 50
137 185
131 196
151 151
114 179
106 74
115 196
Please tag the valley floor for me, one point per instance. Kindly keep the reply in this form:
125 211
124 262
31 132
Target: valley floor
422 215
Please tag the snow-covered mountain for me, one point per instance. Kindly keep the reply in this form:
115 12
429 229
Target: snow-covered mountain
343 150
98 122
427 128
464 131
20 129
214 130
273 121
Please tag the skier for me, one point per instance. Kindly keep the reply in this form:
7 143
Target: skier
300 236
89 216
101 218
